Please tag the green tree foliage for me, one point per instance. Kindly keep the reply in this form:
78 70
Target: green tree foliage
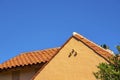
118 48
111 70
105 46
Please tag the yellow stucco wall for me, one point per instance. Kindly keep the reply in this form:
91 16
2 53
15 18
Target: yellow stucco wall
5 76
26 73
79 67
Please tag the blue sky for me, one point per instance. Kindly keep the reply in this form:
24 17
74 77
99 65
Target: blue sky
28 25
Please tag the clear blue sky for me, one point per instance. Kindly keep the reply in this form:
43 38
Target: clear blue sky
28 25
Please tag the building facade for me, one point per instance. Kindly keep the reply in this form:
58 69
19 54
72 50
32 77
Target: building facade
77 59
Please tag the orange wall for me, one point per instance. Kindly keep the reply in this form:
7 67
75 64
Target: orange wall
79 67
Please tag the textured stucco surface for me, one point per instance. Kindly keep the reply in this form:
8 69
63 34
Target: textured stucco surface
79 67
26 73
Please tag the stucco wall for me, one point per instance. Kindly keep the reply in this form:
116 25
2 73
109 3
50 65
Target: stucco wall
5 76
78 67
26 73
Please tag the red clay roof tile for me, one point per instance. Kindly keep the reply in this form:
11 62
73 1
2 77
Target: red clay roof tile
35 57
99 50
30 58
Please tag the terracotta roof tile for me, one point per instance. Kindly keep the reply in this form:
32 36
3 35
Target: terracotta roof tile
35 57
30 58
96 48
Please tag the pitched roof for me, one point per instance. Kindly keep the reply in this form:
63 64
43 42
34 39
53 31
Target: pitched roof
96 48
30 58
46 55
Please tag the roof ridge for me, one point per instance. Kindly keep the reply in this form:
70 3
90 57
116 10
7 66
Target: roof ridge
39 50
78 37
75 33
95 47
